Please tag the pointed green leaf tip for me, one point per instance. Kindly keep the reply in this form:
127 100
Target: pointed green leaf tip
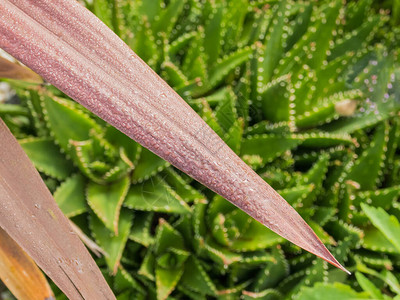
106 201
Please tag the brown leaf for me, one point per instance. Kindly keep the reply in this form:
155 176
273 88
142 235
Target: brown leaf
29 214
20 273
12 70
88 62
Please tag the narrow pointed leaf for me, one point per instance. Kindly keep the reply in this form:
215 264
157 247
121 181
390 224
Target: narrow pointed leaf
70 196
106 201
148 165
389 225
131 97
112 244
31 217
155 195
331 292
20 273
46 157
12 70
196 278
166 280
66 122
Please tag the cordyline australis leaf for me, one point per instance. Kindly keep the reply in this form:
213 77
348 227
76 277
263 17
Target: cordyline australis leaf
29 214
12 70
19 272
69 47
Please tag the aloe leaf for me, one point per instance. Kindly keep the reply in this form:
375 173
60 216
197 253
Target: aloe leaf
147 166
357 40
182 188
196 278
12 109
323 139
139 110
141 229
167 18
383 198
338 104
102 10
269 294
212 34
166 280
112 244
227 64
268 147
322 234
374 240
367 169
174 76
219 254
195 62
321 38
368 286
70 196
155 195
118 140
180 43
46 157
387 224
243 91
391 280
275 101
331 292
66 122
273 272
225 112
292 284
144 43
356 14
268 127
210 118
106 201
31 217
234 136
296 195
34 100
316 174
147 267
255 237
274 43
124 281
167 237
150 8
300 26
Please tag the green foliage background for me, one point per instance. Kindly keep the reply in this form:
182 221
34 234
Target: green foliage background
306 92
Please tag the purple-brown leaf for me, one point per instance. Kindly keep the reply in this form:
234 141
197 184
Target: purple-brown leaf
69 47
29 214
12 70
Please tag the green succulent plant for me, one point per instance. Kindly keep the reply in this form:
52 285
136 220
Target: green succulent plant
306 93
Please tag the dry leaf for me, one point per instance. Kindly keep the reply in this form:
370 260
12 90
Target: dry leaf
20 273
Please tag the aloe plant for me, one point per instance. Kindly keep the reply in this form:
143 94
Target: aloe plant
305 93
